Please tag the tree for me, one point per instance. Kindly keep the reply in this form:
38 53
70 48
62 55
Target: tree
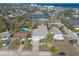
53 50
0 41
14 44
49 38
2 24
0 38
68 12
61 28
27 25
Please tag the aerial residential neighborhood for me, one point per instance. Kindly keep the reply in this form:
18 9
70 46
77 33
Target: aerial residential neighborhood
38 30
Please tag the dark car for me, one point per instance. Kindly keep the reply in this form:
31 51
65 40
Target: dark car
61 54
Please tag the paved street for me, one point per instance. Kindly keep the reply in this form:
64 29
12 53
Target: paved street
20 48
35 48
24 53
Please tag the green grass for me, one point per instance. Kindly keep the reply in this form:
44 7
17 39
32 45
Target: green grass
76 30
44 47
30 11
49 37
14 44
27 45
53 50
1 43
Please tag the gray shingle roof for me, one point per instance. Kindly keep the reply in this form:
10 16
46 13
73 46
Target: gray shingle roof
5 34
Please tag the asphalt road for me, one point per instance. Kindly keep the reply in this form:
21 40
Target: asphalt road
24 53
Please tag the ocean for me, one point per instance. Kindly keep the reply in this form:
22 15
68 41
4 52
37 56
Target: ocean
65 5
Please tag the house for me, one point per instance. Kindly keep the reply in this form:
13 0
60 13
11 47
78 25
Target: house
5 37
73 22
77 33
76 27
39 32
20 35
36 16
6 42
75 15
57 33
42 19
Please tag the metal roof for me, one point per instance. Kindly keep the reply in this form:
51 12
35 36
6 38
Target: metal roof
40 31
55 30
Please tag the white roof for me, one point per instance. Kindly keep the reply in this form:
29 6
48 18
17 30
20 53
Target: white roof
55 30
5 34
38 12
42 19
58 37
40 31
70 33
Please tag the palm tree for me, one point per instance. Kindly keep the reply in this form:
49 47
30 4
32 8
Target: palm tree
53 50
49 38
0 38
0 41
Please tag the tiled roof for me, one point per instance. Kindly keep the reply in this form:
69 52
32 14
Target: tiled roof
20 35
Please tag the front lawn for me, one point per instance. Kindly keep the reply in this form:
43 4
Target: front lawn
44 47
14 44
1 43
27 45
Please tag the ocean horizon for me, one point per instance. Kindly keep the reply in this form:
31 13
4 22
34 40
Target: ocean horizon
64 5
